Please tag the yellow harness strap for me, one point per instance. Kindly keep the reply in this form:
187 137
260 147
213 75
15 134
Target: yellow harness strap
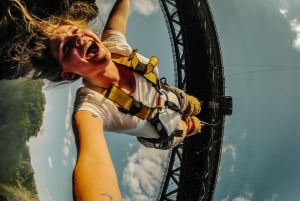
132 62
124 101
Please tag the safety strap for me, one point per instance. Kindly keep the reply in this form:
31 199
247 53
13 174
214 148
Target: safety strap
128 104
133 63
125 102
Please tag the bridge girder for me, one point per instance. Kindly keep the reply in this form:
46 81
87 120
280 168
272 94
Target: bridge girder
199 71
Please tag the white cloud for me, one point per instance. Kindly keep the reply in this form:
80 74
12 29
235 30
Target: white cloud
226 199
50 162
65 162
69 109
143 174
69 137
48 108
274 197
48 194
244 196
232 167
243 135
241 199
247 196
66 150
284 8
230 149
294 24
284 12
284 5
73 161
146 7
295 27
131 145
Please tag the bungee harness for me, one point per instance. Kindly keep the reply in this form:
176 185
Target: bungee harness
127 104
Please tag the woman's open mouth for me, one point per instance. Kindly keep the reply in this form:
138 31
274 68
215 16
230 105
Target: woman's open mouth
90 51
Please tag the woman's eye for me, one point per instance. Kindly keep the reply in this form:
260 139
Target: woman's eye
66 48
69 43
75 31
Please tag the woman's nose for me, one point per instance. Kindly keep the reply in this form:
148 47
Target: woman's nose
78 40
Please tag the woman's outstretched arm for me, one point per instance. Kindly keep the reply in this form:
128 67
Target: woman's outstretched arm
94 177
118 17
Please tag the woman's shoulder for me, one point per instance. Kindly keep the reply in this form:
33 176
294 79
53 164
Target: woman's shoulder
112 34
116 42
83 91
85 94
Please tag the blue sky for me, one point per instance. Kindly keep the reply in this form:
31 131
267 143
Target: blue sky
260 46
260 41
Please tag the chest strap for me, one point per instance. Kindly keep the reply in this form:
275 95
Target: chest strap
125 102
133 63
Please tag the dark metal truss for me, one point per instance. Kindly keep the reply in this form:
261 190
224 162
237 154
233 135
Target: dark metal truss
193 166
176 38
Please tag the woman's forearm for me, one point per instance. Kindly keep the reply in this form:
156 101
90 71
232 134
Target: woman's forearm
118 17
94 177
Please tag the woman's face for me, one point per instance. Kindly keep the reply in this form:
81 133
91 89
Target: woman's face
78 51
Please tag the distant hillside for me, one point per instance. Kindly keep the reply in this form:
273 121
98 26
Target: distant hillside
21 115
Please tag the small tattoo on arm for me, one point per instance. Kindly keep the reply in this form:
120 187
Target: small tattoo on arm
107 195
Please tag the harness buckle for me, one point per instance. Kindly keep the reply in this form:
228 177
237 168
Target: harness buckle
160 106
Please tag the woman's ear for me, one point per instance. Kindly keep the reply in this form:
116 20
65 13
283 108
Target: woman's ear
67 75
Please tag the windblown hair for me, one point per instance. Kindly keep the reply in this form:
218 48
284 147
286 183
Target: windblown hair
27 54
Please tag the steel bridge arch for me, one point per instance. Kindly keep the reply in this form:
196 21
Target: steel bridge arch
193 165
